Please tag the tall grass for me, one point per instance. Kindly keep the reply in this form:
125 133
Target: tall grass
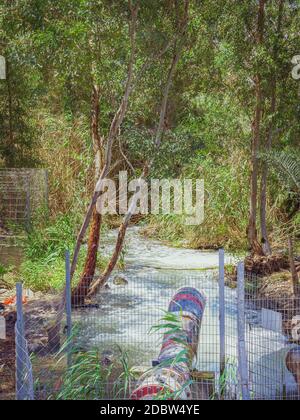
226 206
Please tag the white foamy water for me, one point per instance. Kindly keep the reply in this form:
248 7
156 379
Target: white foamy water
154 272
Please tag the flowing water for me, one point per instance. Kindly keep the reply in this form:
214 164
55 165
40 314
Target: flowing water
154 272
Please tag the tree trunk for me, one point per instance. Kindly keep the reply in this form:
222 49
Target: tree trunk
80 292
10 158
266 246
112 263
252 226
265 169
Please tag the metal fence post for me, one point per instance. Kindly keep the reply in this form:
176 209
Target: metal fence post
68 307
222 310
241 321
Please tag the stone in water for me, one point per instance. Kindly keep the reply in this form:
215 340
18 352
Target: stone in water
271 320
120 281
2 328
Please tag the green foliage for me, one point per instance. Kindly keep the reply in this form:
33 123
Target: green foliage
3 270
18 93
228 376
86 378
56 52
226 206
126 377
90 378
51 241
171 323
286 166
42 275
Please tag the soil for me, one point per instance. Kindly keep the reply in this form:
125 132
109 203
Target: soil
275 292
266 265
7 358
39 314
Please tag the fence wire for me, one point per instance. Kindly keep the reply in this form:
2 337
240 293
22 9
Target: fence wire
22 193
273 343
113 342
24 383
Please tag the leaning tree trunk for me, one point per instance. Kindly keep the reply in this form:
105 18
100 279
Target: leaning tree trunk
252 226
112 262
80 292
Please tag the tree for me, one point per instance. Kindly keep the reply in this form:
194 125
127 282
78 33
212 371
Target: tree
267 250
256 138
178 46
18 92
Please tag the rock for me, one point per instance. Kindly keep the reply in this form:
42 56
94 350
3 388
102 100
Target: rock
29 293
5 294
138 371
107 358
37 346
120 281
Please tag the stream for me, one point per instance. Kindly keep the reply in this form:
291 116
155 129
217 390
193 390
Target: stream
154 272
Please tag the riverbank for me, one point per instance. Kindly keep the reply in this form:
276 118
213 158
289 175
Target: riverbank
39 260
214 234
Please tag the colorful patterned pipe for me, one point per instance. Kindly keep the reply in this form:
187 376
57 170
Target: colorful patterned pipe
293 364
170 378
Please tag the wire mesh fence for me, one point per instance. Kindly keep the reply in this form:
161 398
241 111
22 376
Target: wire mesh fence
7 356
24 377
22 193
105 348
273 342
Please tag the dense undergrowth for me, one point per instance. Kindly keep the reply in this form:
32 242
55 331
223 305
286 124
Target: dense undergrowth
43 265
226 209
226 204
